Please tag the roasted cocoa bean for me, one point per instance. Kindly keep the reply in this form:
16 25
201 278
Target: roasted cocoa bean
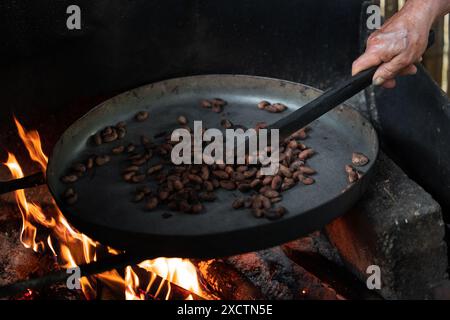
141 116
238 203
79 167
265 202
121 132
359 159
71 199
305 154
258 213
128 175
238 176
218 102
138 197
275 200
255 183
250 173
226 123
227 184
197 208
307 170
69 192
113 136
287 184
136 178
145 141
98 139
118 150
90 163
195 179
271 193
244 187
185 206
151 203
263 104
285 171
177 185
215 183
217 108
276 182
205 104
307 180
154 169
121 124
275 213
102 160
163 195
279 107
207 196
220 174
182 120
267 180
70 178
208 185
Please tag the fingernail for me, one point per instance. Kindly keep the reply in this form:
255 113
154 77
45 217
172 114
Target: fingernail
378 81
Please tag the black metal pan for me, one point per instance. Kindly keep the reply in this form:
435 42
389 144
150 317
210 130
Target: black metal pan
105 212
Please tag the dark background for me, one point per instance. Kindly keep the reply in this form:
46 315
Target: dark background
49 71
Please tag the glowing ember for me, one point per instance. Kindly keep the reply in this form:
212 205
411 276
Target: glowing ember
73 248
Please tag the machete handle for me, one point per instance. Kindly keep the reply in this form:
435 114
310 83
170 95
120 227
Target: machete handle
30 181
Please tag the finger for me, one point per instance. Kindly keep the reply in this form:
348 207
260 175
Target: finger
409 70
365 61
389 70
389 84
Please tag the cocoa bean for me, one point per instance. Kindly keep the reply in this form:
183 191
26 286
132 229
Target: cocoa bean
205 104
118 149
263 104
197 208
226 123
141 116
182 120
70 178
238 203
227 184
98 139
359 159
207 196
271 193
307 170
220 174
136 178
151 203
138 197
154 169
305 154
307 180
276 182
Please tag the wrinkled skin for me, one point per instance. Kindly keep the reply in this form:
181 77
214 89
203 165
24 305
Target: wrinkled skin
400 42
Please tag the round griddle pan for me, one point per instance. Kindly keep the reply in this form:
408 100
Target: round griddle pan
105 211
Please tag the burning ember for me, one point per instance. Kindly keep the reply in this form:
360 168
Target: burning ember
72 248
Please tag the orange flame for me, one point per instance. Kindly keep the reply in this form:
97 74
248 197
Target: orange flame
73 248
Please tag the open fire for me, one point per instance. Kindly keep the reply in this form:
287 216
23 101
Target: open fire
72 248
